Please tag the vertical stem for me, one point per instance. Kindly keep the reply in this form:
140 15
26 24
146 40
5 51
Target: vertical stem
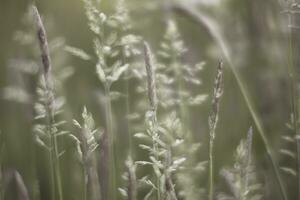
155 146
211 169
294 96
85 186
128 113
52 170
1 183
57 169
212 122
111 143
1 168
54 157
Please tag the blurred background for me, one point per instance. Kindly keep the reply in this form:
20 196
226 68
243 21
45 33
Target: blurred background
254 35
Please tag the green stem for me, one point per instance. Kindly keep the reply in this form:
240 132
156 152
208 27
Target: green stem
54 155
51 158
128 113
1 176
111 144
85 186
57 169
211 169
155 148
294 98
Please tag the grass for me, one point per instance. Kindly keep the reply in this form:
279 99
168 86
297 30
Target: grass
215 33
212 121
164 158
49 104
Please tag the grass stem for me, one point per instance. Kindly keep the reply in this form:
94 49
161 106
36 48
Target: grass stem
111 144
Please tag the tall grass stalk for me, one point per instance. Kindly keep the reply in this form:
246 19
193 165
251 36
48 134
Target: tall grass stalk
152 96
207 22
212 121
127 114
111 144
1 167
292 72
46 61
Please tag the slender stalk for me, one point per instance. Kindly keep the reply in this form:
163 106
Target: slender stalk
1 167
111 144
85 183
52 169
46 61
294 96
152 96
212 121
57 169
128 113
1 184
204 20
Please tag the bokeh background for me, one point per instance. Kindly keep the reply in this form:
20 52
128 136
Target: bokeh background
255 33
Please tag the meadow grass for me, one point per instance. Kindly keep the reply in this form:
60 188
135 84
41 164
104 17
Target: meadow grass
172 167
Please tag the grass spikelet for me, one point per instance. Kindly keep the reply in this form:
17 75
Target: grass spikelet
149 63
212 122
87 144
42 37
